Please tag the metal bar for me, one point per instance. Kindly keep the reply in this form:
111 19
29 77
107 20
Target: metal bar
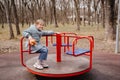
47 41
29 48
58 47
21 52
68 43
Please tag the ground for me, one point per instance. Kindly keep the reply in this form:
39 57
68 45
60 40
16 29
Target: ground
106 66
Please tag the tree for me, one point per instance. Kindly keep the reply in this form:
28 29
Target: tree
50 12
110 21
16 17
96 9
64 5
8 14
103 13
89 12
76 3
45 12
2 14
31 8
84 11
54 12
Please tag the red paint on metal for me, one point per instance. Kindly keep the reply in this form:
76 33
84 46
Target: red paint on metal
58 47
47 41
21 52
59 75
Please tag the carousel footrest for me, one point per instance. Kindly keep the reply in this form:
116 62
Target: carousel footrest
78 51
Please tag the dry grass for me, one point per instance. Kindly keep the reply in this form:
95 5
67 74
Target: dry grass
97 32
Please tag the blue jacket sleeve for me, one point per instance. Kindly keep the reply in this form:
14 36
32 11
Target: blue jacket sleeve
26 33
45 33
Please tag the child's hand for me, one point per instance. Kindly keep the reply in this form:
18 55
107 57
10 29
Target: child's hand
32 42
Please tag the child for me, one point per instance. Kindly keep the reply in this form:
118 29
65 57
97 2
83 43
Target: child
34 33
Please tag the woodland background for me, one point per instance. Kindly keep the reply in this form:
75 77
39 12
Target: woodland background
89 17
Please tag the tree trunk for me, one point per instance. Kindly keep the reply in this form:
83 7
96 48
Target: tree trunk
2 14
23 13
31 9
51 12
84 13
110 22
89 12
8 14
78 14
2 20
54 12
16 17
45 11
103 13
65 11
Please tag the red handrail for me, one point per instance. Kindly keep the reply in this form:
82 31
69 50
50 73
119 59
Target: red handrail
91 41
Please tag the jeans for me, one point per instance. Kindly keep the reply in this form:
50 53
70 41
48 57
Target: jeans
43 53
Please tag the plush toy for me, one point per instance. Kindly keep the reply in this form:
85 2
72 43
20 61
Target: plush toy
32 42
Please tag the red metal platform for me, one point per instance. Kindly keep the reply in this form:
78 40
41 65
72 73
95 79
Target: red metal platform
70 66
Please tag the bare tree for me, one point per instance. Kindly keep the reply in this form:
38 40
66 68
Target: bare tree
110 21
22 17
16 17
96 7
8 14
89 12
84 1
31 8
76 2
103 13
2 8
64 11
45 12
54 12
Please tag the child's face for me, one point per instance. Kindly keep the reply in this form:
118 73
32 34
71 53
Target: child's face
40 26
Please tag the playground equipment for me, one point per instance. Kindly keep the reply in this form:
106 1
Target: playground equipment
69 61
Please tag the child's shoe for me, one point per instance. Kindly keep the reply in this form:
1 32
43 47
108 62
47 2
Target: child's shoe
38 66
44 64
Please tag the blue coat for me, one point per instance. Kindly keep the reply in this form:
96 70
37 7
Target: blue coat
36 34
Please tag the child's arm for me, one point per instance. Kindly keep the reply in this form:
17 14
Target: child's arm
26 33
45 33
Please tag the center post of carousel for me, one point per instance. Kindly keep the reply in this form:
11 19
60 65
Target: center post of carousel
64 58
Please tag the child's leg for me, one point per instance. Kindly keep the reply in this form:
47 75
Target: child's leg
40 64
43 56
43 53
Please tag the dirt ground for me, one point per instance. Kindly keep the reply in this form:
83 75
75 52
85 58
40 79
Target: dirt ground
106 66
